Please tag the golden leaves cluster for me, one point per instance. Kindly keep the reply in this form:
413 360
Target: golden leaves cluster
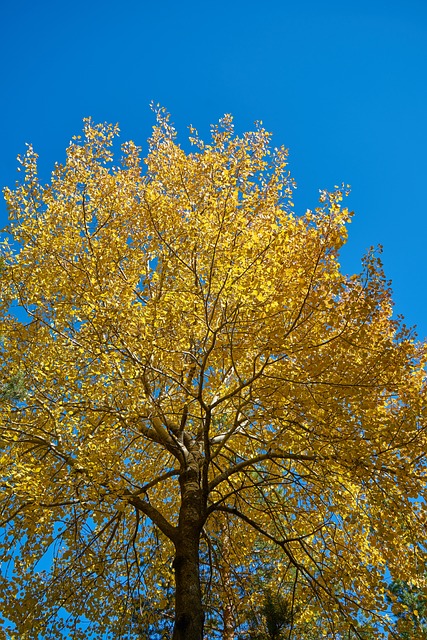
166 306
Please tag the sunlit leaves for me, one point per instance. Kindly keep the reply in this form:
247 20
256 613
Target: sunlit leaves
181 316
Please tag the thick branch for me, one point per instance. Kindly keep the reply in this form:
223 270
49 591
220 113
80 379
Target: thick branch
155 516
149 485
235 512
265 456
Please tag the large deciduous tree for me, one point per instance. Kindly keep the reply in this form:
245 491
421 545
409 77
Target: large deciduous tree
206 394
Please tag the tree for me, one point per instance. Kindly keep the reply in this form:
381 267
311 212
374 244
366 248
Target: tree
274 618
409 606
206 392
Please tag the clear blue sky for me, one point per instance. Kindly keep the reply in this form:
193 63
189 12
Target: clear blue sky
342 84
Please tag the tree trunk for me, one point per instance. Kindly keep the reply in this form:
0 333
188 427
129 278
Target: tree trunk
228 617
189 614
228 633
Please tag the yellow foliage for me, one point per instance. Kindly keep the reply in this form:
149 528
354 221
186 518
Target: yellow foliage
181 320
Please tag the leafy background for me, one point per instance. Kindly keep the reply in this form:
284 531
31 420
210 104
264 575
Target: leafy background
342 84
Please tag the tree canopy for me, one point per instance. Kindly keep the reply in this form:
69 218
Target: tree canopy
204 396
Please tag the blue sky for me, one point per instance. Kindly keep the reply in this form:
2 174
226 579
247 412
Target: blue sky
342 84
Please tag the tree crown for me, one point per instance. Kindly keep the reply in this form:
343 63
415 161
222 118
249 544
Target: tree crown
184 330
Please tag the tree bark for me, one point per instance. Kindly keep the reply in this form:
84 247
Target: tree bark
228 617
189 614
228 633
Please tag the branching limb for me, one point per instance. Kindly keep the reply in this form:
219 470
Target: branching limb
151 512
252 461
